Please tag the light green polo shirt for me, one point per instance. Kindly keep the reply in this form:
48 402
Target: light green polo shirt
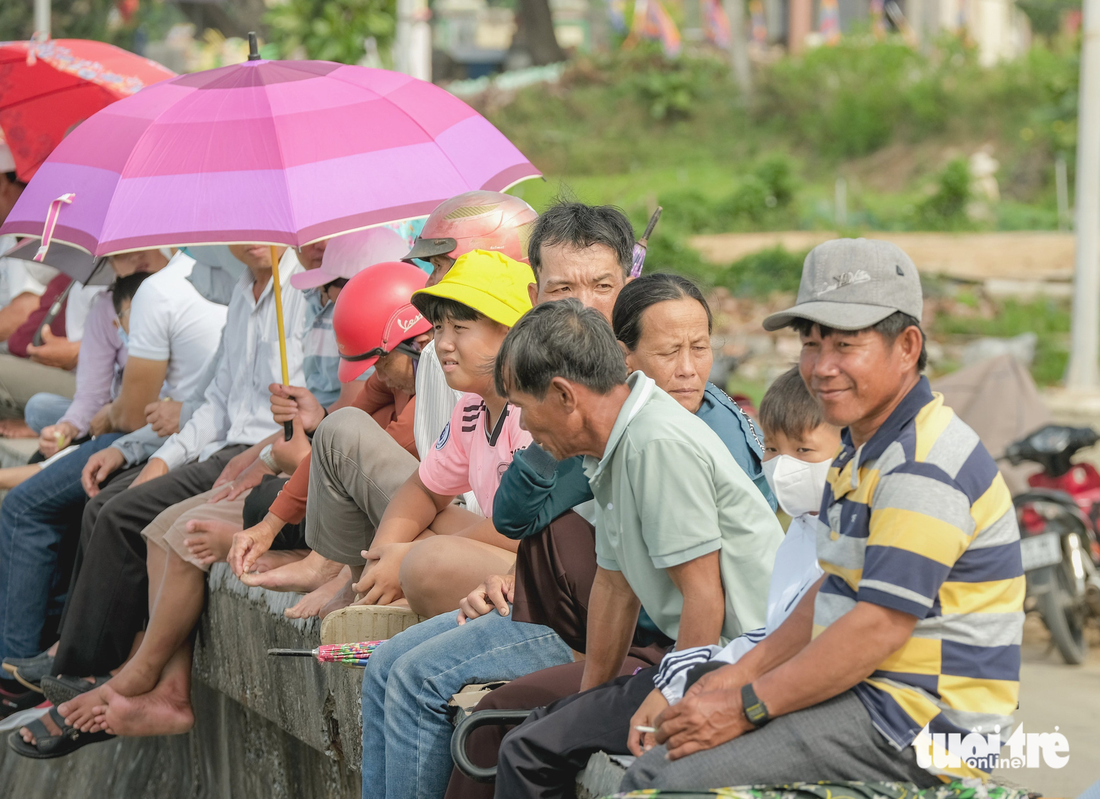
668 491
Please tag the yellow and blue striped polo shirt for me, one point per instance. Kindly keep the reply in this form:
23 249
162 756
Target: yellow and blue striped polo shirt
919 519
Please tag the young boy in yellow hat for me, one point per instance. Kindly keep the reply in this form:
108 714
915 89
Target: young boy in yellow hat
425 550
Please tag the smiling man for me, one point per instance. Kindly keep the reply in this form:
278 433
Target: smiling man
918 619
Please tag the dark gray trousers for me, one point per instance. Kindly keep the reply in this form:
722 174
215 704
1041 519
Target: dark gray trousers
831 741
542 757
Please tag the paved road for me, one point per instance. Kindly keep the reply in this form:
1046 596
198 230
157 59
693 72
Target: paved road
1053 694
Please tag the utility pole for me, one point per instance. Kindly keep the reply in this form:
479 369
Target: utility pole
42 19
412 52
1083 370
739 46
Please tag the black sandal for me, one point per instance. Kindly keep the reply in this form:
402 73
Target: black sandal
62 689
47 745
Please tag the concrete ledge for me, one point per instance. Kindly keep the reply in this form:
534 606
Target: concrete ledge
264 727
316 703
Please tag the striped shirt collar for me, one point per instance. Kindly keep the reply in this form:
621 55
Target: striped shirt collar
906 411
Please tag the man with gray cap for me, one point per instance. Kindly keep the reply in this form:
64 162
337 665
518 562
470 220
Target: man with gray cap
915 627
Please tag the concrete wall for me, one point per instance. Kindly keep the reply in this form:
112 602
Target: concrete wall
266 728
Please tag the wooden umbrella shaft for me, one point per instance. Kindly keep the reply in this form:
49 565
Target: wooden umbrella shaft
276 288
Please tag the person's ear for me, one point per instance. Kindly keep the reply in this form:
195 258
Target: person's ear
910 342
627 356
564 394
533 293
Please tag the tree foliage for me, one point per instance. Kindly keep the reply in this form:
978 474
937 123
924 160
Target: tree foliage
332 30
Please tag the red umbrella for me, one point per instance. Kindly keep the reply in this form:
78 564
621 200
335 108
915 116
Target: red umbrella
48 88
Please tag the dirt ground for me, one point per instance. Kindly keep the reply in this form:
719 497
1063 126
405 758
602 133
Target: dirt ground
1054 695
1024 256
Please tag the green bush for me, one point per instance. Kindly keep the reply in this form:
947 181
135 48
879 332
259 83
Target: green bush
764 273
776 172
332 30
670 253
946 209
1048 318
852 99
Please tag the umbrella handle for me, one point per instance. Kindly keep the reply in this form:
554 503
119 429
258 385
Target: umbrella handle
652 224
288 427
55 309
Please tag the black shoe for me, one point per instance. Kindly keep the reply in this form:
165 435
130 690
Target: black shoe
30 671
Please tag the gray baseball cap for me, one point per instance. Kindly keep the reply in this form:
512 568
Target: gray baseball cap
850 284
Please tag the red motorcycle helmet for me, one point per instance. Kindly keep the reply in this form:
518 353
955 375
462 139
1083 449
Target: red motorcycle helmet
476 220
373 315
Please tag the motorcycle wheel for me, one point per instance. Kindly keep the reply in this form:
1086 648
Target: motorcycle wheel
1064 614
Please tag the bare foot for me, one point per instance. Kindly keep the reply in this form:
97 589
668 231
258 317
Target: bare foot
342 600
166 710
209 539
313 603
302 576
16 428
273 559
81 711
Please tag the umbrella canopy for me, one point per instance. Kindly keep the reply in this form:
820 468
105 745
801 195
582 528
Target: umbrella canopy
48 88
276 152
72 261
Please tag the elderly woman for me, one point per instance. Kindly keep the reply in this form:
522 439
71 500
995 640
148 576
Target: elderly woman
664 325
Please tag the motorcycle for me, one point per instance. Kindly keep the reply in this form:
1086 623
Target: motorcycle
1058 520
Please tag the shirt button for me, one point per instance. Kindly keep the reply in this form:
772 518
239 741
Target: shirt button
610 506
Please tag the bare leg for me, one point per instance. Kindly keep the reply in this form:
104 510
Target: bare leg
209 540
166 710
177 610
303 576
14 475
440 571
155 560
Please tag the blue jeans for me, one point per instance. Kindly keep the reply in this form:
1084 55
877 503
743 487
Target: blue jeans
409 680
44 409
35 517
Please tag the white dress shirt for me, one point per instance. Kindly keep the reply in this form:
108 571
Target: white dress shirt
237 409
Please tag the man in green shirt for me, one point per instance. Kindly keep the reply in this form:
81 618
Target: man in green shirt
681 530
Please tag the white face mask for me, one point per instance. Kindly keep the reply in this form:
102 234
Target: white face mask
798 486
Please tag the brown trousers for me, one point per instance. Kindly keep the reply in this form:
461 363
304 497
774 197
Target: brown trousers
554 574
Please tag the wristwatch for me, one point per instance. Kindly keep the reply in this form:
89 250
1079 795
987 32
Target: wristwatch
755 710
268 459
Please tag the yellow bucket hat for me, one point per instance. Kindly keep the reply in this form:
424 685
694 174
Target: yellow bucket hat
491 283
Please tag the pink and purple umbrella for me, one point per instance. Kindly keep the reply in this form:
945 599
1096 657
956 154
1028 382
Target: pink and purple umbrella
269 152
275 152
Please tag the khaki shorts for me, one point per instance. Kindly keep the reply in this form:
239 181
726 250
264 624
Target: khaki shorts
169 530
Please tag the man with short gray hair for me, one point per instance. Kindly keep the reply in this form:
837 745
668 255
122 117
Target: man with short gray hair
680 528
